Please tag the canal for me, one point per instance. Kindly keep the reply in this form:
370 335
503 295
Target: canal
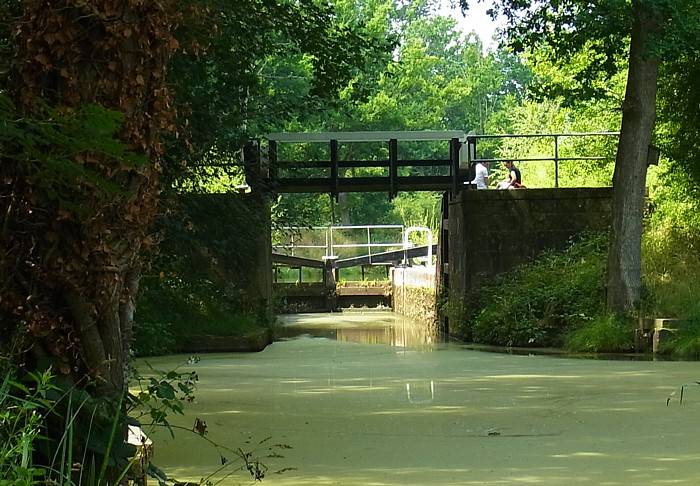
363 399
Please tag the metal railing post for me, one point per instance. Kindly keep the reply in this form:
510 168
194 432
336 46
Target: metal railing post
393 168
334 169
556 161
369 245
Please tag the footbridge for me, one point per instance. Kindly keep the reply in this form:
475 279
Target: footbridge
443 161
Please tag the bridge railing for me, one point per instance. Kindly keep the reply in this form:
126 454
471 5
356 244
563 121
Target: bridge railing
397 171
329 244
318 246
556 145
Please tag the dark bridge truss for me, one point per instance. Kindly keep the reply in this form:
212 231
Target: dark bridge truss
263 169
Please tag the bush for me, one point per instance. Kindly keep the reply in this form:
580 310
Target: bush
153 338
605 334
671 248
685 343
170 310
538 303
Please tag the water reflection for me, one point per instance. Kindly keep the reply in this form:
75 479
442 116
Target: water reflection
370 327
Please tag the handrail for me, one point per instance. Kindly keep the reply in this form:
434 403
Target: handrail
472 147
330 246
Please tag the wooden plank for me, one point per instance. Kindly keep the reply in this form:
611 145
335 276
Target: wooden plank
454 158
272 158
295 261
393 169
334 169
354 164
367 136
384 257
344 291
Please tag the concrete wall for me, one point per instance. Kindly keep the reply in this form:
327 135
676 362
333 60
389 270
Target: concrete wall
413 294
492 231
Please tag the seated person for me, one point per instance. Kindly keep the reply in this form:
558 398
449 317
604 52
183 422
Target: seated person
514 180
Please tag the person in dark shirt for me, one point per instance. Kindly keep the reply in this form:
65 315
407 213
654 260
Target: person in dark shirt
514 180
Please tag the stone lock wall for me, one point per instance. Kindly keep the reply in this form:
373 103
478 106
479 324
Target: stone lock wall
413 295
492 231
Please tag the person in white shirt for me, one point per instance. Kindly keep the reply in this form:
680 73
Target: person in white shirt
481 178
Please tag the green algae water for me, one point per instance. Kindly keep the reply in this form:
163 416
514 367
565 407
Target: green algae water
366 399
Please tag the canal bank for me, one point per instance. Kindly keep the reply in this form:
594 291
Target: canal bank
429 414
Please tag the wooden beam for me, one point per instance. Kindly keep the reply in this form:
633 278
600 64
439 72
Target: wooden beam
295 261
384 257
365 291
363 184
393 169
455 145
353 164
334 169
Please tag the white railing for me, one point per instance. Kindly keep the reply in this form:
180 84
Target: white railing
333 250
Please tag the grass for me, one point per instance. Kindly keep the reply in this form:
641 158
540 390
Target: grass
604 334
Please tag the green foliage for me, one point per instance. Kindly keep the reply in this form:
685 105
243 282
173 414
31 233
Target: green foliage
54 433
161 394
439 79
152 337
251 67
685 342
679 111
671 256
20 428
170 310
538 303
604 334
55 151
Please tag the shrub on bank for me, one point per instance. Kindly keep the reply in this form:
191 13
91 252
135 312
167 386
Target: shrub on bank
539 303
170 311
685 342
603 334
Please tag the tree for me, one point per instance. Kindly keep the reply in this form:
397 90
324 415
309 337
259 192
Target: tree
76 204
436 78
94 94
656 29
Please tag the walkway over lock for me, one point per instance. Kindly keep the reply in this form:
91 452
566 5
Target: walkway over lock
447 171
392 183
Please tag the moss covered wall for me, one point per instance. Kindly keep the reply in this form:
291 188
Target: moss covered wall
226 239
413 295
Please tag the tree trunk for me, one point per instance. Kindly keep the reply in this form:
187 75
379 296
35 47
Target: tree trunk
629 180
83 287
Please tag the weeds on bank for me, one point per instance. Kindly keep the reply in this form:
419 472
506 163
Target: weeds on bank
608 333
52 432
538 303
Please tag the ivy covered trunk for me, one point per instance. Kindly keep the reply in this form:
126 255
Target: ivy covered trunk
629 180
77 208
